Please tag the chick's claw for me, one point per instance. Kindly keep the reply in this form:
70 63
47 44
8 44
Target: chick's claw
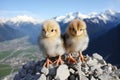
71 59
59 61
82 58
47 63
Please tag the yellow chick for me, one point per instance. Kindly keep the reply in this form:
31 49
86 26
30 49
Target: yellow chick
76 39
50 42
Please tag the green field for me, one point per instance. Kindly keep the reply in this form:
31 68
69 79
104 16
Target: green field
3 54
16 53
6 70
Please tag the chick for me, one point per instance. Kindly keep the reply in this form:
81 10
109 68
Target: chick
50 42
76 39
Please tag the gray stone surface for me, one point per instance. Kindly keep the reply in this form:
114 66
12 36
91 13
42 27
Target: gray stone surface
62 72
42 77
45 70
95 68
97 56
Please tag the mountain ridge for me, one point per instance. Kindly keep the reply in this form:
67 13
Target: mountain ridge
108 45
25 18
97 23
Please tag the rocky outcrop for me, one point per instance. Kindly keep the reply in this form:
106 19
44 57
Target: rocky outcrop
95 68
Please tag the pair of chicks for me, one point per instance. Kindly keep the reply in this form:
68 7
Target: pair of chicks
75 39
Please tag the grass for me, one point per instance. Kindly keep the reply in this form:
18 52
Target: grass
16 53
3 65
3 54
4 70
31 50
30 56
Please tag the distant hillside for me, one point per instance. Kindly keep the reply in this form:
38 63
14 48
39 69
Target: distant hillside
14 53
108 45
7 33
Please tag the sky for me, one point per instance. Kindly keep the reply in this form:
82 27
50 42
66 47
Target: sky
44 9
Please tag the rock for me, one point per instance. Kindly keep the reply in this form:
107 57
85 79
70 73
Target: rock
37 73
83 77
94 68
49 78
45 70
71 71
72 77
92 62
97 72
28 77
78 68
38 68
114 76
30 65
92 78
102 62
117 72
42 77
22 73
106 76
85 68
62 72
17 77
52 71
97 56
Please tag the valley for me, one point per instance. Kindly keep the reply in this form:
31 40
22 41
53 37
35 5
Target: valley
15 54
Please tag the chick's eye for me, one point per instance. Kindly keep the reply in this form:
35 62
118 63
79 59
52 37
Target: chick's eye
73 29
43 30
52 30
81 29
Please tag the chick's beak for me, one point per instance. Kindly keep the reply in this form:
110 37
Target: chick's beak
78 33
46 34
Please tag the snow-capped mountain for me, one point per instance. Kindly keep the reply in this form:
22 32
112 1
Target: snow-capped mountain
97 23
108 15
105 16
20 19
26 25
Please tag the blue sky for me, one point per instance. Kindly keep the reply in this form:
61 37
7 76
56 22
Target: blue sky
44 9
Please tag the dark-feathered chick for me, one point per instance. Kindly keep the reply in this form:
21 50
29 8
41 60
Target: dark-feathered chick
76 39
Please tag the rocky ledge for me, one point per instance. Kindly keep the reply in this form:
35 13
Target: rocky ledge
95 68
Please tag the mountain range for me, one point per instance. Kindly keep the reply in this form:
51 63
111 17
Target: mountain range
97 23
19 26
8 33
103 30
108 45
